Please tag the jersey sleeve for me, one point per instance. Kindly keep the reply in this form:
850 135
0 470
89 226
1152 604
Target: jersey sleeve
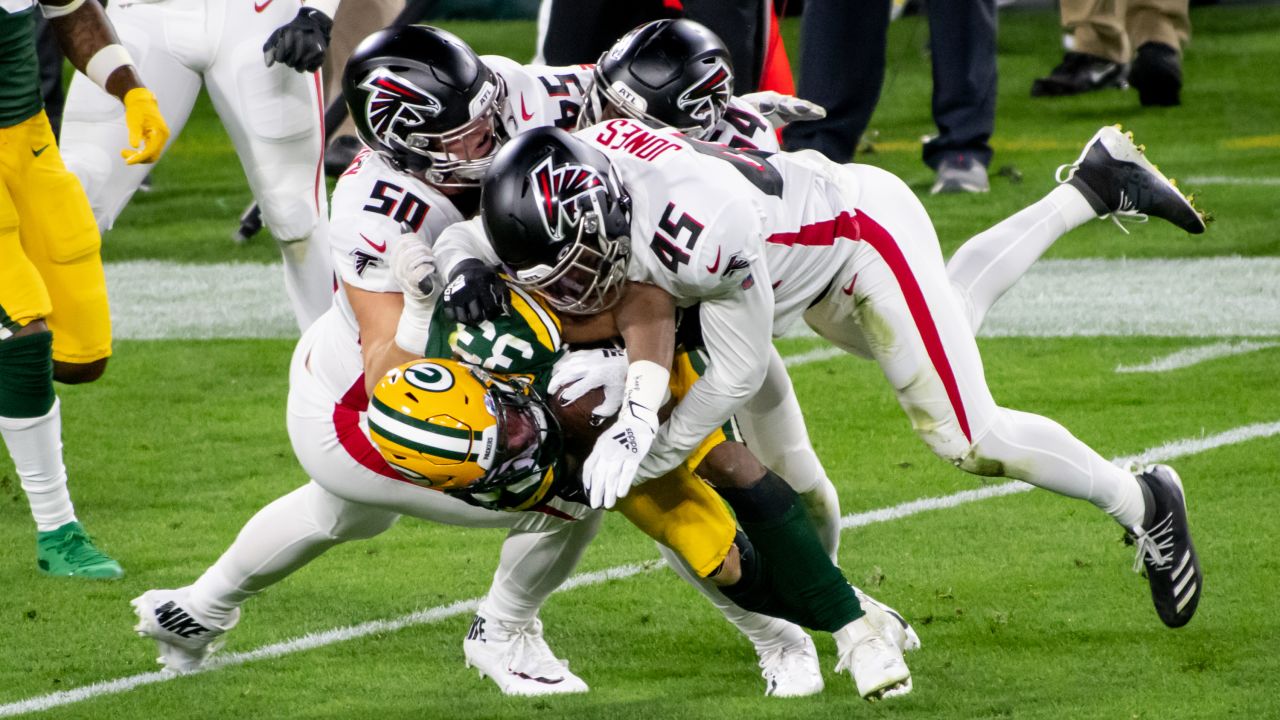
361 242
722 254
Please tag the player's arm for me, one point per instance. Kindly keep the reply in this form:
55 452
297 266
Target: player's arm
473 291
90 43
378 315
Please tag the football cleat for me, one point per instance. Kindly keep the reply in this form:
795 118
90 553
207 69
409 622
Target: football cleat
1079 73
889 622
1156 73
1119 181
184 640
792 670
875 663
1164 547
960 174
68 551
517 658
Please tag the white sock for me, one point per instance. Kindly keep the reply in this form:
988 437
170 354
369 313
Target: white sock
991 262
280 538
308 275
35 444
532 565
1038 450
764 632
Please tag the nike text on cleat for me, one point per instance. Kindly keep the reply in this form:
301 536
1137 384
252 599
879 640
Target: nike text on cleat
889 622
876 664
791 670
516 657
1119 181
1165 548
68 551
184 640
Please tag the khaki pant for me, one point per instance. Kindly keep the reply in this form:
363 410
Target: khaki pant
355 21
1114 29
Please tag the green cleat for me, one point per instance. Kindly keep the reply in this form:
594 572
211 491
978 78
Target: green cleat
69 552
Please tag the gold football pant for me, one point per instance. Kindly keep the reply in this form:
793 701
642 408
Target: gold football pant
49 262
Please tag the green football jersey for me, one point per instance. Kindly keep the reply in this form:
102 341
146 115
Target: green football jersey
20 90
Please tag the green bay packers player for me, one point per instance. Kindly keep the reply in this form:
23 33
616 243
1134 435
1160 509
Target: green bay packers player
54 323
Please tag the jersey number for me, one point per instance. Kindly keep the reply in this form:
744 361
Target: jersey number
560 88
749 163
666 243
397 204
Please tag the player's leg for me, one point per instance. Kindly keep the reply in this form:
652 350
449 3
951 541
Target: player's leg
1111 177
275 117
93 125
48 254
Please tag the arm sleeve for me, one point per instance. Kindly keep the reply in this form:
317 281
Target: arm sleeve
463 241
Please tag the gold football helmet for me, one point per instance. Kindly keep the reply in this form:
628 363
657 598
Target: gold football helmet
455 427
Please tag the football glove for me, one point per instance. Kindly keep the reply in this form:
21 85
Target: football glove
474 293
581 371
610 470
147 129
300 43
414 268
782 110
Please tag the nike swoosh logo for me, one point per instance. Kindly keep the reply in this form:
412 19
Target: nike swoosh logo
713 267
258 8
848 289
36 153
524 112
375 246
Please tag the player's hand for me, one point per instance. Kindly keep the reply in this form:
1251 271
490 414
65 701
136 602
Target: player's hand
611 468
474 293
581 371
782 110
414 267
147 130
300 43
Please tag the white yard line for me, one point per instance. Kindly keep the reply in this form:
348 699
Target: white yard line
813 356
311 641
1196 355
1194 180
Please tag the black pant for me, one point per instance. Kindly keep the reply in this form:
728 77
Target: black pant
842 69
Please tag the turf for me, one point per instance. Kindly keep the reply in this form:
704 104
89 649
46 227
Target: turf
1025 604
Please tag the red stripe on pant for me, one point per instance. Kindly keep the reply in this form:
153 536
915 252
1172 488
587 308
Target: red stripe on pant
861 228
346 422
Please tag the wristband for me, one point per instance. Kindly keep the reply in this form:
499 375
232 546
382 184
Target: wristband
106 61
57 11
414 326
646 384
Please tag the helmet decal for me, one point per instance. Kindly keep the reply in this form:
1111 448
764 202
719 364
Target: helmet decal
394 102
429 376
557 191
713 89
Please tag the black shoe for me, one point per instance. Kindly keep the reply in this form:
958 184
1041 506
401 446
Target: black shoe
340 153
1165 549
1157 74
1117 179
1079 73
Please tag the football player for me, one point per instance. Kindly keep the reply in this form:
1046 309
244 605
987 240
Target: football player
273 115
54 321
761 240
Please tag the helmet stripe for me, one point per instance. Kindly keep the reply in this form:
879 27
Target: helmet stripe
418 447
420 438
405 418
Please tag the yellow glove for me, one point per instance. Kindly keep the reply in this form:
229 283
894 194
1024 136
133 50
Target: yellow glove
147 130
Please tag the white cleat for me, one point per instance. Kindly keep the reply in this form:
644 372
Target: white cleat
889 622
184 640
792 670
876 664
517 658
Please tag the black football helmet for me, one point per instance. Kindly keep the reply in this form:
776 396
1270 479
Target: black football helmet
422 99
559 220
666 72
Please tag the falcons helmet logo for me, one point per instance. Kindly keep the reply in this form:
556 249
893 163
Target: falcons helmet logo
558 191
705 99
396 105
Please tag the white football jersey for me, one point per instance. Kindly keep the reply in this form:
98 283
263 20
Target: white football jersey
539 95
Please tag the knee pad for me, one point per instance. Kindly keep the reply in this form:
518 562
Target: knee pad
290 215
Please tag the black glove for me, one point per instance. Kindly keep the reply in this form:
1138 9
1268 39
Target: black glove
300 43
474 293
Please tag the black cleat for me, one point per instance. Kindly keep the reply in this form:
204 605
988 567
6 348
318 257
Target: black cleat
1165 549
1079 73
1157 74
1119 181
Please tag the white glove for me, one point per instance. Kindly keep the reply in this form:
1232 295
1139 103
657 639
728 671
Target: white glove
611 468
414 268
581 371
782 110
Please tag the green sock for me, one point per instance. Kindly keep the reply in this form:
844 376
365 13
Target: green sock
26 375
798 570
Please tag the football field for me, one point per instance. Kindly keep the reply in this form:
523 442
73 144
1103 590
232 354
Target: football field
1154 345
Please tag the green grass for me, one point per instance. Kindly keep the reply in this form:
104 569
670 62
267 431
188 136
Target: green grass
1025 604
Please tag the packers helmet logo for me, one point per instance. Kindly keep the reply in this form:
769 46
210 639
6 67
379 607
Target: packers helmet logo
396 106
562 192
429 376
706 99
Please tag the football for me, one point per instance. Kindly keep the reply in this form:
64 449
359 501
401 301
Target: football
580 427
